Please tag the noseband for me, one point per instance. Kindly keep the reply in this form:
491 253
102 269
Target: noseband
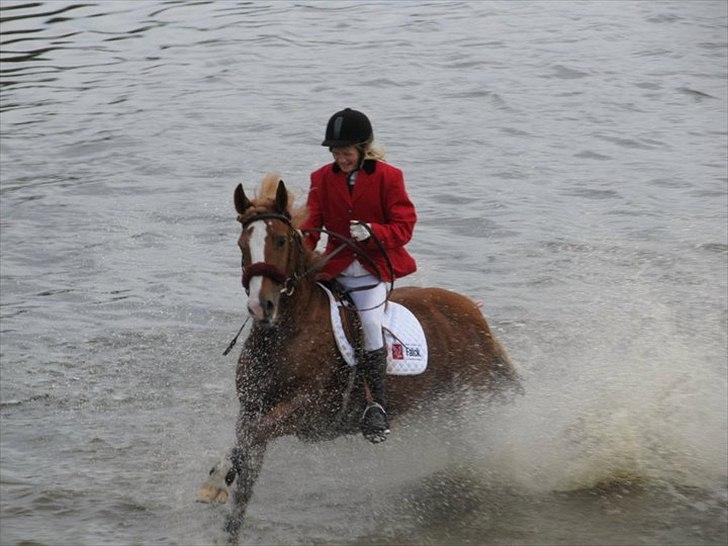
263 269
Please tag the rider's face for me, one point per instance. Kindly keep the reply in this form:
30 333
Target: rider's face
346 157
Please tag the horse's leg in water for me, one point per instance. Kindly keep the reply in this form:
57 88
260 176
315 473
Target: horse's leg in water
247 456
247 460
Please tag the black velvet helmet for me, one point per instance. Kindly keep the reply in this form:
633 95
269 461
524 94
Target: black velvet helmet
346 128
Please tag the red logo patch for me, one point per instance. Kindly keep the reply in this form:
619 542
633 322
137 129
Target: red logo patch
397 352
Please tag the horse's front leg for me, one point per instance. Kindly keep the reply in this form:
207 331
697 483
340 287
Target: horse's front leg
247 461
243 462
246 457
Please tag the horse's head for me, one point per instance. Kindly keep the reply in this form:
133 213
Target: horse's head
271 248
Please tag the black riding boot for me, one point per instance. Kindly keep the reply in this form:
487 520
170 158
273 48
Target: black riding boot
374 423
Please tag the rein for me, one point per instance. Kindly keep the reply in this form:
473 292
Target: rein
289 282
344 243
360 253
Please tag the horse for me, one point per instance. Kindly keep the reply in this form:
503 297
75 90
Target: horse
290 377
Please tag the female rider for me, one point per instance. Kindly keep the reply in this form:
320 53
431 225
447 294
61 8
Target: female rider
357 196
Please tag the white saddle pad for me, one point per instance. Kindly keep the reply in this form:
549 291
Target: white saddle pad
403 336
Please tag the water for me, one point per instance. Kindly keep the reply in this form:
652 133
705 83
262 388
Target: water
568 161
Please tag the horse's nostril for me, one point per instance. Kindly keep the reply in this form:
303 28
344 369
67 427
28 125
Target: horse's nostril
269 306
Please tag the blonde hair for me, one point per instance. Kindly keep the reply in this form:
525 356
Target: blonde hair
372 150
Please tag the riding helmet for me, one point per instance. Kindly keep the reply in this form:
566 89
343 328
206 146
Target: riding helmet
346 128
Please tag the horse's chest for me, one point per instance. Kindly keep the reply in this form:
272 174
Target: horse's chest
308 360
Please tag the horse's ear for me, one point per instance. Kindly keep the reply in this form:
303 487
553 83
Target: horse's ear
242 203
281 198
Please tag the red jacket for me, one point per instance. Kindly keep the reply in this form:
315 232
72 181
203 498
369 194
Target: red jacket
379 199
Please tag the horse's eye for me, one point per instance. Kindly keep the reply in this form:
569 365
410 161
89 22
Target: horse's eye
280 241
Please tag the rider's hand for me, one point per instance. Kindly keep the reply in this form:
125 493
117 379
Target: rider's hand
358 230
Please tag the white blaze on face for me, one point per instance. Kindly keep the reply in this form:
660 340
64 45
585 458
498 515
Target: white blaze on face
256 244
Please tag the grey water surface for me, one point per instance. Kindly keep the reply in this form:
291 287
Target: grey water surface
568 162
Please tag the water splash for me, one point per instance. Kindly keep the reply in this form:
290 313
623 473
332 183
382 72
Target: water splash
634 398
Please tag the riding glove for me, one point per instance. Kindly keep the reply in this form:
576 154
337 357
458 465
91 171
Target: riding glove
358 230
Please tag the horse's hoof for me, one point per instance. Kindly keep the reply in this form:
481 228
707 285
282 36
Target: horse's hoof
210 493
222 496
214 489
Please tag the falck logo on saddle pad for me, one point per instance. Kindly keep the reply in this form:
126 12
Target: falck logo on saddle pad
403 335
403 352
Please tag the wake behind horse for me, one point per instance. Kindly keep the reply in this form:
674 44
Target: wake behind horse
290 377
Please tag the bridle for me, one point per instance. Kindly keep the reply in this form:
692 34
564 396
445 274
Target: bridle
264 269
289 282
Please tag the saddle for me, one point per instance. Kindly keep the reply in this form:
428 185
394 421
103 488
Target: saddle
403 333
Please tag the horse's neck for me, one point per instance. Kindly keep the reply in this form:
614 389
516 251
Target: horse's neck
306 299
304 303
300 315
307 303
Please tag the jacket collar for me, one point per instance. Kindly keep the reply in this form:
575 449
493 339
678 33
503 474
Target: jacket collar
368 166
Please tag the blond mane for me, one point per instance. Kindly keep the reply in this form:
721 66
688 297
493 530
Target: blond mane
265 197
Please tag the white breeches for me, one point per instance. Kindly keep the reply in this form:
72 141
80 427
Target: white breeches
370 303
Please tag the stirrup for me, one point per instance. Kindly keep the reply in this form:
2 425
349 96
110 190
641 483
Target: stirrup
374 424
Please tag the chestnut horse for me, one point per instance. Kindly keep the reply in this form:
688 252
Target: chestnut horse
290 377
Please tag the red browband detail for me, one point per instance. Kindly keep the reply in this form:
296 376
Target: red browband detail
264 270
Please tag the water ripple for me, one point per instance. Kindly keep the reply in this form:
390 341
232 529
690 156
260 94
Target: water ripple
567 160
